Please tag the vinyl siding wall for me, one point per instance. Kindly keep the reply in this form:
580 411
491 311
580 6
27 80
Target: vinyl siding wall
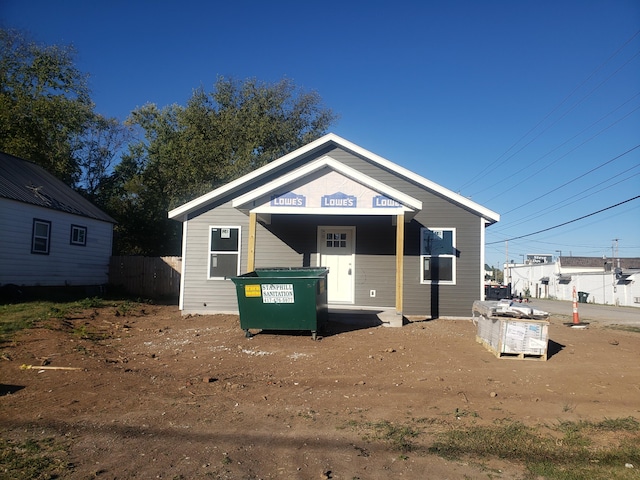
65 264
292 241
204 296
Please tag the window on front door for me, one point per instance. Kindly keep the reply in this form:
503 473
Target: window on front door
336 240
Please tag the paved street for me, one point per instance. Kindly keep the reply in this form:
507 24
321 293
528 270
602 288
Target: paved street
589 312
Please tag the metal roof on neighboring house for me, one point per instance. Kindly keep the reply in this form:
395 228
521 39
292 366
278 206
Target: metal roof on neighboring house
599 262
24 181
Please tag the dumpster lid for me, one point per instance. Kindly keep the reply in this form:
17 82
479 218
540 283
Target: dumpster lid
287 272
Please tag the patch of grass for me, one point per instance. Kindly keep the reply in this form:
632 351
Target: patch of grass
625 328
93 302
123 308
84 332
568 451
629 424
20 316
511 441
465 413
37 459
399 437
14 318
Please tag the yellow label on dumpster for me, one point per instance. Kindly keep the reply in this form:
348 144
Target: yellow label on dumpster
252 291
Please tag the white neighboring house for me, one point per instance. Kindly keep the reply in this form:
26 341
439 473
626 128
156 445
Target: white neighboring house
51 235
606 280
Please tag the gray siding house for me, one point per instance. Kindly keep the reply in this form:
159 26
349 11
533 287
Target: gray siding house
392 240
51 235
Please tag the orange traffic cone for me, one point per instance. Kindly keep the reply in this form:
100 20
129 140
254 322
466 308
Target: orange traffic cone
576 318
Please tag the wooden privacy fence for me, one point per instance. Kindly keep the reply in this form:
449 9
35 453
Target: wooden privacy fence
151 277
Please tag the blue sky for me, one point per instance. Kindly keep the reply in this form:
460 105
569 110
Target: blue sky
531 109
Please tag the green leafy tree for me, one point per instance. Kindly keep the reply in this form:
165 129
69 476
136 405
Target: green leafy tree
47 116
98 150
186 151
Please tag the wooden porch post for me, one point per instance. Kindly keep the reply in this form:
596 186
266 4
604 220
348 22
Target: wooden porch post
251 247
399 262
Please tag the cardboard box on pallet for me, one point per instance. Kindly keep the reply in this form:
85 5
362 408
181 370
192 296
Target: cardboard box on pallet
508 337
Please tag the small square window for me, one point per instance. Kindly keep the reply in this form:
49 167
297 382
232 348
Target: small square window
78 235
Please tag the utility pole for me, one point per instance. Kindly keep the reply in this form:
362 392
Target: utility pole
614 250
506 263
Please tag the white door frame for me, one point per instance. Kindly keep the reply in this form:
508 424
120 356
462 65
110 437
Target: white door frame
347 269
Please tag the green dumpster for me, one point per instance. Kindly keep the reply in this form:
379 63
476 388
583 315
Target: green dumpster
582 297
284 298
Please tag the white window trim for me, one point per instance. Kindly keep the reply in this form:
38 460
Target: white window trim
34 236
454 257
82 229
209 251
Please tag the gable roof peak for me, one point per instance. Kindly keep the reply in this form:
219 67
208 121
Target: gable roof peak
183 210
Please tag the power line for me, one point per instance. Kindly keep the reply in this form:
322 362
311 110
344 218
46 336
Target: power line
556 108
582 226
566 223
539 171
574 179
566 202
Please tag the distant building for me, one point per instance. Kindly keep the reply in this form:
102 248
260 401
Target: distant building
604 280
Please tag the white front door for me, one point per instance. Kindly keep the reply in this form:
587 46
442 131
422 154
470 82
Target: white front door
336 248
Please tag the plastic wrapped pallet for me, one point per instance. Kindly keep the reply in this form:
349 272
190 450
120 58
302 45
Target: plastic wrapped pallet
507 337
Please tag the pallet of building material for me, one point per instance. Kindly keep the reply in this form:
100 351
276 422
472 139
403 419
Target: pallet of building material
507 308
516 356
513 338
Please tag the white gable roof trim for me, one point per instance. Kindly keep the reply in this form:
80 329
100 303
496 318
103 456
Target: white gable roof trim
408 203
182 211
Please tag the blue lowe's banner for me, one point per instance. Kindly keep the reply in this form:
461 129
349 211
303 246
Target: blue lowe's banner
380 201
289 199
339 200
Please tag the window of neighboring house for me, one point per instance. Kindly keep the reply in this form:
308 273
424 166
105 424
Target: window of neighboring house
78 235
224 252
41 236
438 255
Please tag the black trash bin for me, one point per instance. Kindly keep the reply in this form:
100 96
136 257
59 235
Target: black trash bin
582 297
283 298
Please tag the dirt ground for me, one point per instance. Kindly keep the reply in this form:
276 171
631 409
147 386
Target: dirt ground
158 395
